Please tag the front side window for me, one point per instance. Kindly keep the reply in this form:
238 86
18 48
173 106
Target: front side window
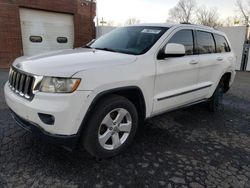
221 44
184 37
130 40
205 42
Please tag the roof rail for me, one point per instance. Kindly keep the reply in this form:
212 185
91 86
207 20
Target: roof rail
198 25
185 23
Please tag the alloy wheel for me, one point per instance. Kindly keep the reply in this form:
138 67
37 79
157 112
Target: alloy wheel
115 129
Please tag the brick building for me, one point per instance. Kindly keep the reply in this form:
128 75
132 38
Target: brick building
33 26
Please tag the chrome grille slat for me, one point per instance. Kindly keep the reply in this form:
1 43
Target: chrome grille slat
14 80
21 83
17 82
26 86
10 76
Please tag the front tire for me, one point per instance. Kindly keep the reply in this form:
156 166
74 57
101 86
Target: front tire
111 127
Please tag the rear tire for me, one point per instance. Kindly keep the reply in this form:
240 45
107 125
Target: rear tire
111 127
215 103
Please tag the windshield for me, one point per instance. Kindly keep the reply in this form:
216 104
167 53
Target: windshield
130 40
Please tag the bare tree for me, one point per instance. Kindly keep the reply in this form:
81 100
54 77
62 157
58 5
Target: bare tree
231 21
244 9
228 22
208 17
132 21
183 11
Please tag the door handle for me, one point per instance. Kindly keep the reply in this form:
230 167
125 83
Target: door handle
219 59
193 62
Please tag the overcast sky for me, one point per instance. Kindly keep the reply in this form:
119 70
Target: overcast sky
153 10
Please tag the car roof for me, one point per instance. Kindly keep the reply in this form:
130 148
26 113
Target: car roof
194 26
154 25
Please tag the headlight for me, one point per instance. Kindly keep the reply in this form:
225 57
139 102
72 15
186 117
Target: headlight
59 85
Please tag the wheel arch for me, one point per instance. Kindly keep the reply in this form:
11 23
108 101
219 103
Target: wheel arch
226 78
132 93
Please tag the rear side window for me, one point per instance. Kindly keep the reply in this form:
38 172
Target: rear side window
184 37
205 41
221 44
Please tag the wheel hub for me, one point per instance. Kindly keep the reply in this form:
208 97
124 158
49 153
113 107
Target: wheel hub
116 129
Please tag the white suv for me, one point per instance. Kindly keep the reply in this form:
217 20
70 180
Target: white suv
99 94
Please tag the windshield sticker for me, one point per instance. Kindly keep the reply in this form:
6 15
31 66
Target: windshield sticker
151 31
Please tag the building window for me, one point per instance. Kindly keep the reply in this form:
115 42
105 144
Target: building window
36 39
62 39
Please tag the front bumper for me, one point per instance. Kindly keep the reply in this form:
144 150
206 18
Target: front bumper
66 141
68 110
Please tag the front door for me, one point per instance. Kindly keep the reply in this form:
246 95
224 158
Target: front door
176 78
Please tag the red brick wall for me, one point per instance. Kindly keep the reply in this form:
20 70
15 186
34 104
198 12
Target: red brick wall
67 6
10 34
85 27
10 30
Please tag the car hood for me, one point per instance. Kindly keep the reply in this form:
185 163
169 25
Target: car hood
66 63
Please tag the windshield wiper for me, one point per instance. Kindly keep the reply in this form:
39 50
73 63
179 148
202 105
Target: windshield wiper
87 46
107 49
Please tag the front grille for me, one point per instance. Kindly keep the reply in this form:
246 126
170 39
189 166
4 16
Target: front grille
21 83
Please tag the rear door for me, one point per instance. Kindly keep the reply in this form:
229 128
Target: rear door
176 77
209 62
213 54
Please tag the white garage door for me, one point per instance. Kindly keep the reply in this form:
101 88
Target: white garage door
44 31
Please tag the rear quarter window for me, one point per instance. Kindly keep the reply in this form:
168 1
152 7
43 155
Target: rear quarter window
221 44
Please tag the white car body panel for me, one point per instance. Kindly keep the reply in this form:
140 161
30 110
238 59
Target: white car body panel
184 76
66 121
68 62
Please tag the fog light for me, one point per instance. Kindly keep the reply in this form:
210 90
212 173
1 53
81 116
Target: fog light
47 119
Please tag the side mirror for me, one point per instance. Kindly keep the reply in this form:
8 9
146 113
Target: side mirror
174 50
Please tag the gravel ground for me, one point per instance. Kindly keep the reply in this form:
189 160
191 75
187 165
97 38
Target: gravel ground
186 148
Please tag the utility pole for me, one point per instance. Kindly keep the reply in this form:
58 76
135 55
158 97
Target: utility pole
246 47
97 18
103 22
247 27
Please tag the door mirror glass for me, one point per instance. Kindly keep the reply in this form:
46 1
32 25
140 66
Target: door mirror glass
174 50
